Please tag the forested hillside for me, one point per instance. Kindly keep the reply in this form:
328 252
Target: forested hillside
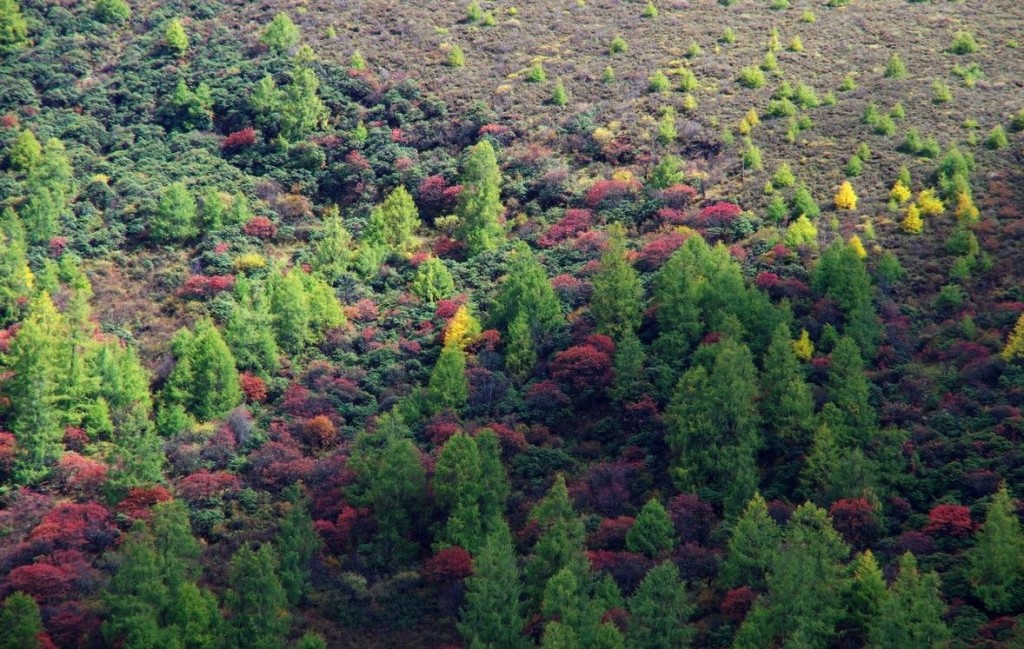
565 324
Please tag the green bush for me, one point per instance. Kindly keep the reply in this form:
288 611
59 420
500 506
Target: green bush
963 43
895 68
751 77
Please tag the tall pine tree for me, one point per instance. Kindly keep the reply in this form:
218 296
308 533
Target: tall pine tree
479 208
617 300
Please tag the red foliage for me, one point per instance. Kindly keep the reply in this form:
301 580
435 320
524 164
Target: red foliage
673 217
510 439
365 310
277 465
320 431
8 452
628 568
357 160
204 486
204 286
658 250
677 196
611 533
737 603
75 439
442 427
449 564
693 518
9 120
260 227
605 487
44 582
140 500
239 139
74 624
719 214
584 367
571 289
436 196
950 520
81 475
917 542
546 396
253 387
574 222
446 308
57 246
609 190
73 526
855 519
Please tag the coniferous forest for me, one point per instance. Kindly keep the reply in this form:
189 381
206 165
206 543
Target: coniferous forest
596 324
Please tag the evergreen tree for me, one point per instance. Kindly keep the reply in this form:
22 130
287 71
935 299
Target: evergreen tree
325 311
297 543
26 151
176 549
653 533
394 222
16 279
659 610
433 281
560 544
332 252
463 329
786 403
520 350
13 28
630 374
841 275
457 478
136 595
1014 347
175 218
479 207
714 427
805 585
21 622
527 292
111 11
493 614
291 312
204 380
256 602
249 333
616 302
678 313
280 34
175 37
752 547
38 361
494 485
912 614
997 560
866 594
447 387
298 105
848 390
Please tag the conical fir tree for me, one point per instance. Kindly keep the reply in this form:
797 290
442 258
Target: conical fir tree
912 614
479 208
447 387
616 304
256 603
652 533
997 559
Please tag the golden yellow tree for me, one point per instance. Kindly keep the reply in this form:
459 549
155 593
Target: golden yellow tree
803 348
846 198
912 223
1015 343
463 329
966 210
929 203
900 193
858 246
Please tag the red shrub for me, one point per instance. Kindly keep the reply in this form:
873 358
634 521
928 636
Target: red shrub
449 564
320 431
365 310
206 286
855 519
44 582
204 486
81 475
436 196
693 518
584 367
950 520
658 250
737 603
9 120
75 439
446 308
672 217
442 427
253 387
277 464
574 222
72 526
239 139
719 214
140 500
918 543
571 289
546 396
677 196
8 452
57 246
260 227
74 624
611 533
627 568
609 190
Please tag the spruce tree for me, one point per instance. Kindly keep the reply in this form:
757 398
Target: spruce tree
26 151
249 333
15 277
256 602
653 533
280 33
786 403
659 610
291 312
204 380
912 614
560 544
678 313
616 303
520 349
457 478
527 292
867 592
849 390
136 594
13 28
433 281
997 560
447 388
298 105
332 252
479 207
494 485
21 622
840 275
628 365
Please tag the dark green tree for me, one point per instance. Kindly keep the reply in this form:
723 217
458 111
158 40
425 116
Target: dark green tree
520 348
997 560
842 276
457 487
175 218
494 485
713 427
204 380
786 402
256 603
297 544
479 208
447 387
493 616
111 11
911 616
653 533
616 304
560 544
659 610
630 381
21 622
804 604
136 595
849 390
527 292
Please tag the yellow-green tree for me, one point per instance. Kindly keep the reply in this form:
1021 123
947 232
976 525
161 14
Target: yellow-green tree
1015 343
